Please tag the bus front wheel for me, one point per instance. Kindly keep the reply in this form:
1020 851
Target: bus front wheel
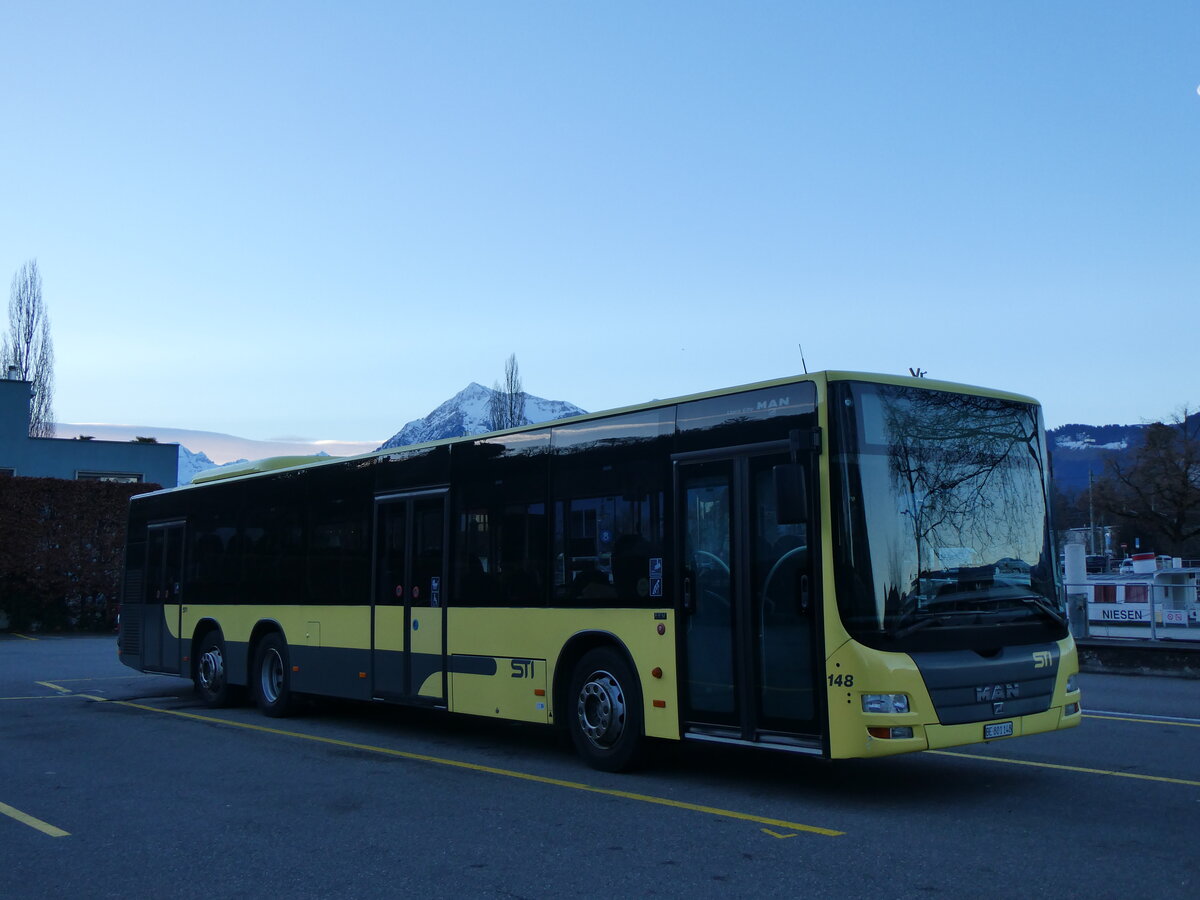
272 677
605 712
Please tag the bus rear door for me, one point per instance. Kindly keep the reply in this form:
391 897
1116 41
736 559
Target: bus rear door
164 597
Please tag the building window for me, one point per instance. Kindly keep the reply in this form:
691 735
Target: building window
124 477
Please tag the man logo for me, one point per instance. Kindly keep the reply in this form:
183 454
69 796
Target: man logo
1042 659
989 693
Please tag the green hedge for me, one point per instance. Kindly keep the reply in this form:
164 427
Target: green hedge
62 546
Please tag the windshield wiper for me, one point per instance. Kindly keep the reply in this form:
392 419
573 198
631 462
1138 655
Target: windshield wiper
1048 610
915 622
916 625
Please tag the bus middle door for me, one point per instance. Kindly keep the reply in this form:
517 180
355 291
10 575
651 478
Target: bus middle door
408 621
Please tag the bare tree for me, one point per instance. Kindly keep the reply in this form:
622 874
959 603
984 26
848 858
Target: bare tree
27 347
961 466
1157 492
506 408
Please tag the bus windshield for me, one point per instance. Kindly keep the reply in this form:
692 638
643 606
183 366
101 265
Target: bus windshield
941 518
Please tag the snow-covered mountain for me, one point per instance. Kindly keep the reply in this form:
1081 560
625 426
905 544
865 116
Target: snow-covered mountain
464 413
192 464
218 447
467 413
1077 450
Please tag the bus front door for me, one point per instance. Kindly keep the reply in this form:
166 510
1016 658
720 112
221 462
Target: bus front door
164 597
750 603
408 617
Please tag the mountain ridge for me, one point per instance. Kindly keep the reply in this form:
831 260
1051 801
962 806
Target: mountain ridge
467 413
1078 450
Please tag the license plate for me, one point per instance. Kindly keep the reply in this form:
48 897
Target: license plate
999 730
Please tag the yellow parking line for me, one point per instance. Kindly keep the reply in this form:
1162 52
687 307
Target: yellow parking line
26 819
38 697
1082 769
1143 721
25 636
491 770
54 687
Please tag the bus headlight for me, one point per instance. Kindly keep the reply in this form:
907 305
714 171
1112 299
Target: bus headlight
885 703
1072 684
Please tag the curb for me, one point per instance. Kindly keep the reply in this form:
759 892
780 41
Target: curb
1139 658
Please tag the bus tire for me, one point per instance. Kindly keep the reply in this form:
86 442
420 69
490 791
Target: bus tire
272 677
211 675
604 714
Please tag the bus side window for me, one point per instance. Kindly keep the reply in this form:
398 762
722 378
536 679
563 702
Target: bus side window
475 584
339 550
501 552
605 539
500 520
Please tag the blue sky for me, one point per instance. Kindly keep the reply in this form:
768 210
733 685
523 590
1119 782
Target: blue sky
321 220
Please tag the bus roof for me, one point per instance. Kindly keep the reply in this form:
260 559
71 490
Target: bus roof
278 463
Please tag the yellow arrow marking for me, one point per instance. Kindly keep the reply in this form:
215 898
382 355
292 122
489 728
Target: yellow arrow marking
26 819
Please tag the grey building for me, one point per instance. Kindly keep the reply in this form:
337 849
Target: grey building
22 455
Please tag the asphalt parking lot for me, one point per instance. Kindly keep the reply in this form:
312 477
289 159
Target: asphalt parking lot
122 784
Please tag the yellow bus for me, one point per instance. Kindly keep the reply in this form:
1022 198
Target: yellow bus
839 564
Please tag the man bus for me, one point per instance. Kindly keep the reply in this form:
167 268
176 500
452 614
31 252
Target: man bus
840 564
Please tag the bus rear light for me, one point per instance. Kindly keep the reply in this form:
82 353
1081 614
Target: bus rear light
539 692
1071 709
888 734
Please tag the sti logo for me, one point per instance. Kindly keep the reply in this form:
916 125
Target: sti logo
1042 659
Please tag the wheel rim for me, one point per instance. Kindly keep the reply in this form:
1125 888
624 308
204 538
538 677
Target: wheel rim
601 710
211 669
272 675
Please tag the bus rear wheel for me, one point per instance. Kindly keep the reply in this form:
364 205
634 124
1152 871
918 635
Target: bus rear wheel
605 711
211 675
272 677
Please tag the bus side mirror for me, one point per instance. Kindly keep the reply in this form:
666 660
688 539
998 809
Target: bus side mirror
791 498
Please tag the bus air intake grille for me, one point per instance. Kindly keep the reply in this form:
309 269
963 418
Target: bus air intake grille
131 635
966 687
132 589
